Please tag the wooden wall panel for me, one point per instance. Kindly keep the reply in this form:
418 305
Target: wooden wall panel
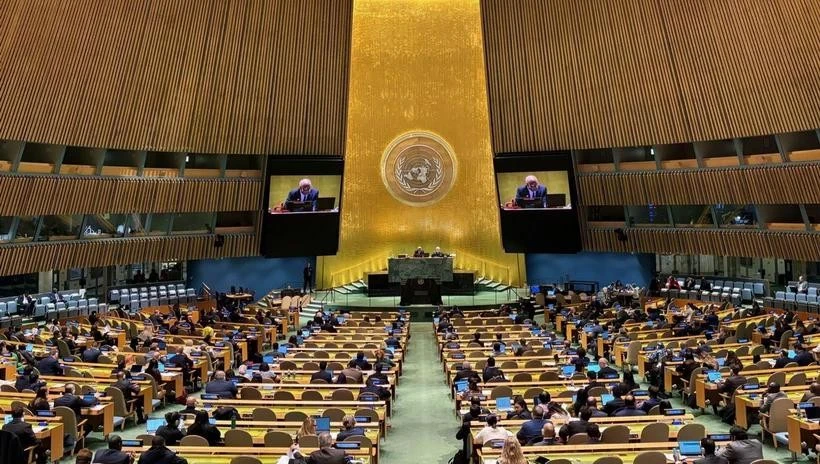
24 195
802 246
217 76
775 184
610 73
35 257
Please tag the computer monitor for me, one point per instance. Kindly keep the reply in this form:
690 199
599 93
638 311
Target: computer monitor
322 424
503 404
153 424
689 448
606 398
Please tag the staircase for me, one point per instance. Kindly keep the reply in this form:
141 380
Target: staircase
489 285
357 287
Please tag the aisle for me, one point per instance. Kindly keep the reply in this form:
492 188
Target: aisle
424 425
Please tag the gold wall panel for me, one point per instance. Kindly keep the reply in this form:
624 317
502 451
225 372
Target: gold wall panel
210 76
417 65
611 73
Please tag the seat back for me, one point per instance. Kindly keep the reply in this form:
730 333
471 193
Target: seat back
193 440
334 414
69 420
608 460
118 398
777 415
245 460
650 457
263 415
577 439
615 434
501 391
692 432
657 432
279 439
342 394
238 437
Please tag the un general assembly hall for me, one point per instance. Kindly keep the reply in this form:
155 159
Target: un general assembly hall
410 231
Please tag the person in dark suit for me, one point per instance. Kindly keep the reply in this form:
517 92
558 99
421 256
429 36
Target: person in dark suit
574 427
220 386
307 274
25 434
203 428
305 193
170 431
617 402
605 371
92 353
158 453
629 408
772 393
129 390
349 428
532 428
437 253
741 450
466 372
803 357
784 359
708 446
114 454
49 364
326 454
322 373
419 253
531 190
72 401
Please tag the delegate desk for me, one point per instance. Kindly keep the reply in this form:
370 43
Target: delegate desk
311 408
808 431
707 390
49 430
303 376
100 414
670 373
258 429
101 383
268 390
748 402
225 455
584 454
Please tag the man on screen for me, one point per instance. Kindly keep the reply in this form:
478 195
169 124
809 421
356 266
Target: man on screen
531 194
305 193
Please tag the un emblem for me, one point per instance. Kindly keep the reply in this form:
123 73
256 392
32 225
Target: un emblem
418 168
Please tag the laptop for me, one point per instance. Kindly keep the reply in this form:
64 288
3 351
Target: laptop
606 398
283 349
29 347
556 200
812 413
152 425
713 376
161 367
305 333
136 368
268 359
461 386
346 445
212 421
340 320
567 371
792 354
593 368
689 448
503 404
90 398
720 361
322 424
325 203
496 444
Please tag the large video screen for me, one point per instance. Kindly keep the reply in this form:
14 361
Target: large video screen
537 198
303 197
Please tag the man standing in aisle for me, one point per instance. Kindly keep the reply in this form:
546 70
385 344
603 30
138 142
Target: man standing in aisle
307 273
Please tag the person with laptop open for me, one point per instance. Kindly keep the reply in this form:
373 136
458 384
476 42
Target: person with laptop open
532 194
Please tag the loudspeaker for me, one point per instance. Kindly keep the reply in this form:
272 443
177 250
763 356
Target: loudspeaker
219 240
622 237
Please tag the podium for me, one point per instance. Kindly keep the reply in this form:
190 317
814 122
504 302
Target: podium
420 278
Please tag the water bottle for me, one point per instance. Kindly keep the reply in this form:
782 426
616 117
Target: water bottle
676 455
233 421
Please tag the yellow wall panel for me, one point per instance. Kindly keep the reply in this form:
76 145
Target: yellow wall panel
417 65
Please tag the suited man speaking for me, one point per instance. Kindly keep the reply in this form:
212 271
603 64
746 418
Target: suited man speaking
305 193
532 190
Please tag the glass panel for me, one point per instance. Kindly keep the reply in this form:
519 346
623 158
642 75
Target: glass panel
26 229
61 227
159 224
605 213
106 226
649 215
5 228
235 219
692 215
192 223
736 215
136 224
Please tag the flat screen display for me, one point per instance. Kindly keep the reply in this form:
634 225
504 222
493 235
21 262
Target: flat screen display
302 205
537 202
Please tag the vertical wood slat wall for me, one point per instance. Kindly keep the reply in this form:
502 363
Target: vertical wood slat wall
609 73
35 257
777 184
217 76
786 245
33 195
